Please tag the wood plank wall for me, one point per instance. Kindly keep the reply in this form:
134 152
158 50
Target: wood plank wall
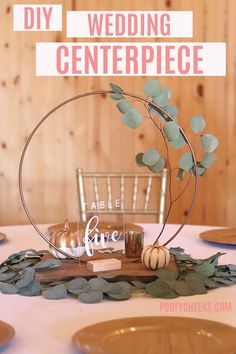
84 134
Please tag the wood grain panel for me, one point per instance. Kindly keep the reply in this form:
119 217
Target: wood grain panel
89 133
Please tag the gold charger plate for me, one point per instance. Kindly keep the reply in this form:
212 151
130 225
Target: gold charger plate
156 335
2 237
6 333
225 236
103 226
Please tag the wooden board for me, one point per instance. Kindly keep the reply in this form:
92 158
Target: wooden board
131 269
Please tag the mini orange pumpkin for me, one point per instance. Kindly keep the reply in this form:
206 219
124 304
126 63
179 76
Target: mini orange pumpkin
155 256
68 241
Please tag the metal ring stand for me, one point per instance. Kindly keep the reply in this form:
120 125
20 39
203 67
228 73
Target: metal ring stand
77 97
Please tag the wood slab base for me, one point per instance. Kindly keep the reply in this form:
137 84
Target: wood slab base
131 269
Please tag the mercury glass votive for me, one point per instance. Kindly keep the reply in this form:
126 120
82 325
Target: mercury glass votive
133 244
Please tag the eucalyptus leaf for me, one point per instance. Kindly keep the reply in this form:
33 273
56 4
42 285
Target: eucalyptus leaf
48 263
97 283
171 131
197 172
22 265
116 96
162 98
150 157
158 289
178 143
208 159
172 111
152 88
8 289
132 118
159 166
232 267
224 281
4 269
77 286
26 279
56 292
122 295
166 274
186 161
157 113
180 175
139 159
197 124
7 276
209 142
183 288
125 286
176 250
91 297
33 289
112 288
206 269
138 284
124 105
115 88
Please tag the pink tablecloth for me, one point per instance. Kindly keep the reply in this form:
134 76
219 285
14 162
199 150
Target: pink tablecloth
45 326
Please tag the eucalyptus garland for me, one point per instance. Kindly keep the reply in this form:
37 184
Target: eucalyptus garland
192 277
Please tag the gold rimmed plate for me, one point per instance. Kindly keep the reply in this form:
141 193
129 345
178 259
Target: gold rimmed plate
2 237
102 227
156 335
224 236
6 333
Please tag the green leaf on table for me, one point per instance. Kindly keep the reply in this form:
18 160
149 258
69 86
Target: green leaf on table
77 286
8 289
186 161
162 99
139 159
159 166
125 286
206 269
132 118
4 269
112 288
122 295
22 265
178 143
7 276
176 250
158 289
232 267
197 124
209 142
91 297
97 283
171 131
33 289
150 157
138 284
26 278
48 263
208 159
124 105
152 88
56 292
166 274
183 288
115 88
224 281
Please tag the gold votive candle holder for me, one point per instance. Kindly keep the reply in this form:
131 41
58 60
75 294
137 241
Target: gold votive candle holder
134 244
